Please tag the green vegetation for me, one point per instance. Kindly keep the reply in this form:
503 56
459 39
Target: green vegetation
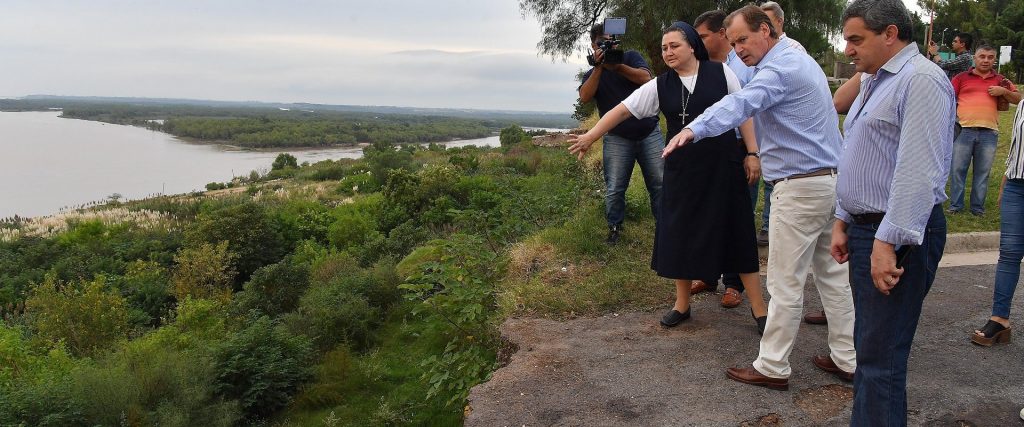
357 292
351 292
318 131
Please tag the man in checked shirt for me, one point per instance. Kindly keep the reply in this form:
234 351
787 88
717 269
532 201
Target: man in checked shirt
892 174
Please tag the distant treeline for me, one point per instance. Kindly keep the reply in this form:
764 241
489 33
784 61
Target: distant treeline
318 132
258 126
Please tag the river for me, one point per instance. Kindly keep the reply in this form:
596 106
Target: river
52 163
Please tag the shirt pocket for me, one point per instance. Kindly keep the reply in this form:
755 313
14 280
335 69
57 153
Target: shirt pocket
884 115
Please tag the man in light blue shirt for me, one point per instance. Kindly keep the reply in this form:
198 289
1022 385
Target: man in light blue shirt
710 26
892 176
798 129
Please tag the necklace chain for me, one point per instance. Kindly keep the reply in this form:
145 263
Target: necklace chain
686 97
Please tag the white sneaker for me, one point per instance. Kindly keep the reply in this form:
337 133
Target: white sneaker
1022 413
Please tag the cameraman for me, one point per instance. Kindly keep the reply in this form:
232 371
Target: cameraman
633 141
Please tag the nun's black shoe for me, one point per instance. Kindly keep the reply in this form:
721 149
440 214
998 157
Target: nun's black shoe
674 317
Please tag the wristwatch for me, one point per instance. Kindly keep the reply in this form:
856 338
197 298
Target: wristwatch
754 154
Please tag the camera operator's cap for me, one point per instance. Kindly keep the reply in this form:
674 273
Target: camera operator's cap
699 51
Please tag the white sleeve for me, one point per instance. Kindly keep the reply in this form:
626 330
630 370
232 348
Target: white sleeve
732 82
643 102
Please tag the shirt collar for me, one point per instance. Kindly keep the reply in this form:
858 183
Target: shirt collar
896 63
991 74
770 55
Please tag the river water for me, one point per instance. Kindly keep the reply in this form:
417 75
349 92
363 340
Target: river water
51 163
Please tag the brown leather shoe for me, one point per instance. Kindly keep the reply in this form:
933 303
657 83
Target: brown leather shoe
816 318
698 286
749 375
731 298
826 364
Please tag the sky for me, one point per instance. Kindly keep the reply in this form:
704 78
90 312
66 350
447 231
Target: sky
441 53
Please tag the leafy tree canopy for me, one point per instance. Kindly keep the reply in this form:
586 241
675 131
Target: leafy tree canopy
995 22
566 23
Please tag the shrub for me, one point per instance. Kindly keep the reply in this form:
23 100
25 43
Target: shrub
351 228
358 183
197 324
304 220
213 186
84 315
262 366
382 158
458 291
333 313
145 285
147 383
250 232
204 272
275 289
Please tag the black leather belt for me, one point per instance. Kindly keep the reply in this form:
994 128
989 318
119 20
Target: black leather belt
819 172
868 218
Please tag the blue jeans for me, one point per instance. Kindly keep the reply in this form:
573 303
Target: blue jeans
978 144
1011 246
885 325
619 156
768 187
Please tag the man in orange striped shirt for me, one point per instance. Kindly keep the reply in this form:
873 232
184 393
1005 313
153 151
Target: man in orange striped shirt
978 92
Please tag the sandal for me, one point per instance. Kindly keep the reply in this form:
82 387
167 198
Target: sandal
761 322
674 317
992 333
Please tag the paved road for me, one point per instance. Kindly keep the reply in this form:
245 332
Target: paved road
624 369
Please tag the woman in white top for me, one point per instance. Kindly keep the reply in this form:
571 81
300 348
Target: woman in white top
705 222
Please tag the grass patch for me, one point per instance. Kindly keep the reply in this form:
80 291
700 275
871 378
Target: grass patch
567 270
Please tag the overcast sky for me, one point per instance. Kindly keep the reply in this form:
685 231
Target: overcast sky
438 53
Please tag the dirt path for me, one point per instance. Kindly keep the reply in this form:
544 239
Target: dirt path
624 369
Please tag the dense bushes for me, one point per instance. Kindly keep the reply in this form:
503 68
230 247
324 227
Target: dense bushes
281 299
250 232
262 366
275 289
85 316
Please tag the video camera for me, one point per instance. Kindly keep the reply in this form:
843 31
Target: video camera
613 27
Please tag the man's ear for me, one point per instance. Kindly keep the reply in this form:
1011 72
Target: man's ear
892 34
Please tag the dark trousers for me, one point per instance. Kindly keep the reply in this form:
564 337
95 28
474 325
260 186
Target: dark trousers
885 325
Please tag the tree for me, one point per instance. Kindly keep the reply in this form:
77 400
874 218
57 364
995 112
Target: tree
512 135
252 234
204 272
284 160
566 23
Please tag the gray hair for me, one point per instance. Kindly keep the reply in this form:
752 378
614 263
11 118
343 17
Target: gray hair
774 8
879 14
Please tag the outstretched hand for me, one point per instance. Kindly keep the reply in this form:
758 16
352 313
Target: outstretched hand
580 144
682 138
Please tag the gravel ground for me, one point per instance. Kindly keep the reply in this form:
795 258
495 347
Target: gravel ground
624 369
